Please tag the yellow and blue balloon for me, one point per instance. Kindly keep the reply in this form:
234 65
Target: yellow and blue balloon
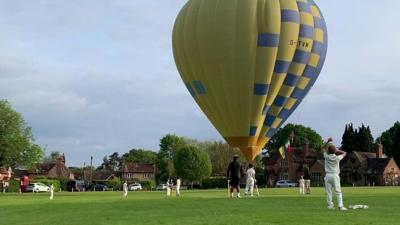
249 63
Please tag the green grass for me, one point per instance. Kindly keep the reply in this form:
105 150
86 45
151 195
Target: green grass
273 207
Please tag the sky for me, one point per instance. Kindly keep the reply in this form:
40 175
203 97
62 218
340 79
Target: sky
98 76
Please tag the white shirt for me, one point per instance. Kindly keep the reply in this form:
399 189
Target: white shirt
125 186
250 173
332 162
178 182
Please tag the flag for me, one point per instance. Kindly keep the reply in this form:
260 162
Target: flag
282 151
287 146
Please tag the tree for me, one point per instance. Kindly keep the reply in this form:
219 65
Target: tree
139 156
221 155
192 163
357 139
112 162
349 137
302 135
390 140
169 144
365 141
52 157
17 147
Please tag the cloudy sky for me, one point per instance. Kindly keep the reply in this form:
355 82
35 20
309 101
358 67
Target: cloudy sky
97 76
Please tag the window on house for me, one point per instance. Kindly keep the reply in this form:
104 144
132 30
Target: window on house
284 164
284 176
316 177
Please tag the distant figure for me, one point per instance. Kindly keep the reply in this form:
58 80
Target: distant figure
250 178
307 181
332 169
301 185
51 192
125 189
168 188
234 175
178 186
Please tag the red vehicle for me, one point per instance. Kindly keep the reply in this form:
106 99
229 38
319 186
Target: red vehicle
24 182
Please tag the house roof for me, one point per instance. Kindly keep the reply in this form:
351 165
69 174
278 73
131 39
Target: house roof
45 167
138 168
366 155
296 154
3 170
102 175
378 164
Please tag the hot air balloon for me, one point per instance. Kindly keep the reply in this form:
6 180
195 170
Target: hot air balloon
249 63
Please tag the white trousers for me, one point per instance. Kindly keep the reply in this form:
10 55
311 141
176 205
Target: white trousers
249 186
168 191
125 192
301 186
51 195
332 181
178 191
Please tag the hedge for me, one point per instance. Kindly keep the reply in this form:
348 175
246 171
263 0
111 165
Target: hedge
214 182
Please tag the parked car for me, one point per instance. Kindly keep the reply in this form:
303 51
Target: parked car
285 183
100 187
135 187
37 187
76 185
162 187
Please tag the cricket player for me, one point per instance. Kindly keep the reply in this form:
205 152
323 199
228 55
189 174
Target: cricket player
302 185
234 175
51 192
250 178
178 186
125 189
332 180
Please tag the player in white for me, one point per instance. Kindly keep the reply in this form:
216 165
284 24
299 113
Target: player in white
301 185
332 180
250 178
125 189
51 192
178 186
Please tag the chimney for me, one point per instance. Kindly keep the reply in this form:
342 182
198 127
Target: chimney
379 151
306 147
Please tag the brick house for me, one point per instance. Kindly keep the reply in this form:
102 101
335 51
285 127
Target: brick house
317 172
291 167
57 169
138 171
368 168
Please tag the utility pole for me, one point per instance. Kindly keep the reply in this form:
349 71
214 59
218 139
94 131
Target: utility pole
91 169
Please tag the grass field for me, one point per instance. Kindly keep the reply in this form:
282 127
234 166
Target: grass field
274 206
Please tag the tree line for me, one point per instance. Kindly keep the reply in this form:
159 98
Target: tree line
18 147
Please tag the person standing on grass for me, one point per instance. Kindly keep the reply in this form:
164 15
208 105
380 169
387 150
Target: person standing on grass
51 192
234 175
332 180
250 178
307 181
125 189
178 186
301 185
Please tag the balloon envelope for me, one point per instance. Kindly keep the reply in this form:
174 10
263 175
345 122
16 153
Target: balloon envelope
249 63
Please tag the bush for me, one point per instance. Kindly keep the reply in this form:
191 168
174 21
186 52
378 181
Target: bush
63 183
214 182
13 186
115 183
148 185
